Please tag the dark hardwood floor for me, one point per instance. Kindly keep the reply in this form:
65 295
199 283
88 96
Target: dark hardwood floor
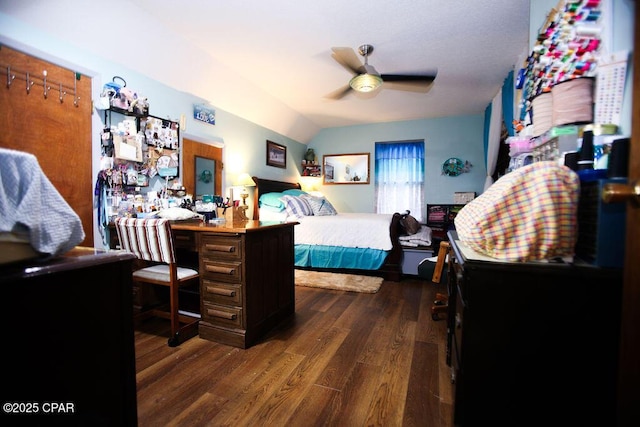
345 359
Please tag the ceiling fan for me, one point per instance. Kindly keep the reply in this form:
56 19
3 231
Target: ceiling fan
367 79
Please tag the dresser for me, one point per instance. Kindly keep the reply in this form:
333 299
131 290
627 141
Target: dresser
69 346
531 343
246 277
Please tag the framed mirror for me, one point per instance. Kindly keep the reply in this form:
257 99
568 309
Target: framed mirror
346 168
205 176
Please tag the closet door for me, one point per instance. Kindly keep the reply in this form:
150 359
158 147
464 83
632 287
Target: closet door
57 132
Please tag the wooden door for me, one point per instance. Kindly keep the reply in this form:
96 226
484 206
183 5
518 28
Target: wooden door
629 369
192 149
57 132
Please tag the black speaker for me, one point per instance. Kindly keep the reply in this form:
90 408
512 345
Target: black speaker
619 159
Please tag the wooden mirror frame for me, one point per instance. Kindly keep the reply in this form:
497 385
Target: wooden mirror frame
352 168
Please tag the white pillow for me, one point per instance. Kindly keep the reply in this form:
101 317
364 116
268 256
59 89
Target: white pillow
175 213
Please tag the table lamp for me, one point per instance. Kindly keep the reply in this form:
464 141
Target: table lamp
244 180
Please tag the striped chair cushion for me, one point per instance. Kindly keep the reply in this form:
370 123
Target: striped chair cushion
148 239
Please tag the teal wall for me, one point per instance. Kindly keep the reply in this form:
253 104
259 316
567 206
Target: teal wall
444 137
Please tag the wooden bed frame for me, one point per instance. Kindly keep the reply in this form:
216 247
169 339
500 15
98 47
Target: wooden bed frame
392 267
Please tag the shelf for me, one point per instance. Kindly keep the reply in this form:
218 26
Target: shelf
126 112
311 170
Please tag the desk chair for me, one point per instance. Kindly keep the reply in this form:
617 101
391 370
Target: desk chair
440 305
151 241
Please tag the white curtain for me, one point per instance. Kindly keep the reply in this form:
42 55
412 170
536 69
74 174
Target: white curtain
493 143
399 175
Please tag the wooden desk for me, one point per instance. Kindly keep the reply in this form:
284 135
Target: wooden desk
246 277
69 339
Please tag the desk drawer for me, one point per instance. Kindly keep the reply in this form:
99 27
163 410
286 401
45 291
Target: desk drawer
213 246
221 271
221 315
184 239
221 293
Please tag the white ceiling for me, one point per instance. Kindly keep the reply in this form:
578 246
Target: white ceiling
270 61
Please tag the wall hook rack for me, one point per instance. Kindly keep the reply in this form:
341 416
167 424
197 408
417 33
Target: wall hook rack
47 85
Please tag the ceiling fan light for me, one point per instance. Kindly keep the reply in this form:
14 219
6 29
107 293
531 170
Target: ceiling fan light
365 82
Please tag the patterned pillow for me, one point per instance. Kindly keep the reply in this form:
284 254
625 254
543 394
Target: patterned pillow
528 214
296 207
320 205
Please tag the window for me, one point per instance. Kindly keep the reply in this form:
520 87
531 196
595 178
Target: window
399 177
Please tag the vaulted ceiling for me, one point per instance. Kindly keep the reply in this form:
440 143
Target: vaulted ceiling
271 61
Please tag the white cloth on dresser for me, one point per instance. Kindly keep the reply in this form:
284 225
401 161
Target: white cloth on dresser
32 206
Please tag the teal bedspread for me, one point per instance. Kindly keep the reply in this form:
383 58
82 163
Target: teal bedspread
318 256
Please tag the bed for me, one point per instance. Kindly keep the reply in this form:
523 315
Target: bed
340 242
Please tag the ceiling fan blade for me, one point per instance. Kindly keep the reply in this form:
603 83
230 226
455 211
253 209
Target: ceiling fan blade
409 83
339 93
346 57
425 79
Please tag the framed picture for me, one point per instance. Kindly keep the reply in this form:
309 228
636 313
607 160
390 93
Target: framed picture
276 155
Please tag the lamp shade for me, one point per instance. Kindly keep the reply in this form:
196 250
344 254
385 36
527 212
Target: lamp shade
365 82
245 180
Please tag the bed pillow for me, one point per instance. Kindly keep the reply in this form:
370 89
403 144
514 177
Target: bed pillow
294 192
320 206
267 208
296 207
272 199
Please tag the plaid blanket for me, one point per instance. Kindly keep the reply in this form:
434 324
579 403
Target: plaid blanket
31 205
528 214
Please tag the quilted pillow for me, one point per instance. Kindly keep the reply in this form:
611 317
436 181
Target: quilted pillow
320 205
296 207
272 199
528 214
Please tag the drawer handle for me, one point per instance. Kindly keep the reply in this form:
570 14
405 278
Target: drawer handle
218 269
221 291
222 314
220 248
458 321
182 237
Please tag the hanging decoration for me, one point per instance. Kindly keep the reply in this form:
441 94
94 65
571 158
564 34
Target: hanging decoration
453 166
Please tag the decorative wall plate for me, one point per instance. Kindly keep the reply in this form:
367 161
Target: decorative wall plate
453 166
